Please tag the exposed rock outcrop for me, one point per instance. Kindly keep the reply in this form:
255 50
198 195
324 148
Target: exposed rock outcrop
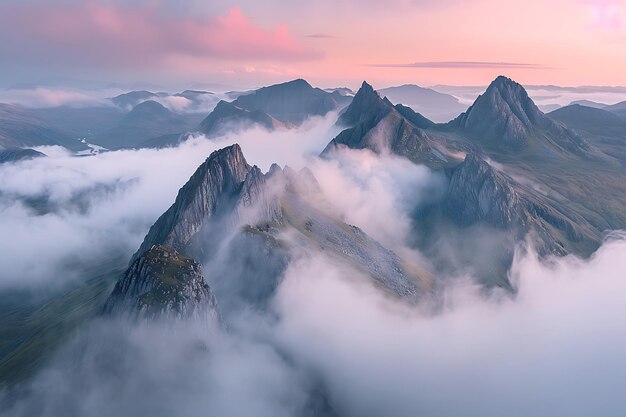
377 125
223 184
479 192
162 283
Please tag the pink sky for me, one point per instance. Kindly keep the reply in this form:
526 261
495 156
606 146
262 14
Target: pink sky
330 43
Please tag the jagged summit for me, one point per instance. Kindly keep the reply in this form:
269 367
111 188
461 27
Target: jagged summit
227 200
367 105
162 283
375 123
214 187
506 118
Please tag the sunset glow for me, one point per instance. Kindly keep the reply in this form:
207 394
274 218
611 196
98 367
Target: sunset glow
567 42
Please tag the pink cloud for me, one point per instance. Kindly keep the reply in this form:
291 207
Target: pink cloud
114 35
607 15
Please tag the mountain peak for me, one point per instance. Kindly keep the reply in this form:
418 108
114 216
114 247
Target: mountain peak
506 118
211 189
299 82
229 115
366 104
148 109
291 102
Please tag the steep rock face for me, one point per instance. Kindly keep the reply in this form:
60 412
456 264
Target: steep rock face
227 117
379 126
162 283
214 188
478 192
505 117
291 102
230 210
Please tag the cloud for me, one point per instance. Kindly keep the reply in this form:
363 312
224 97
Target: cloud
53 97
553 349
136 35
321 36
335 345
104 204
330 343
606 15
462 65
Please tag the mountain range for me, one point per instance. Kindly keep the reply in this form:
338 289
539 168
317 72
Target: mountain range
228 200
436 106
509 174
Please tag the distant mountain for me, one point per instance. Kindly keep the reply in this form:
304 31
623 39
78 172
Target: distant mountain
194 94
547 108
374 123
436 106
145 121
198 101
619 108
591 120
227 117
226 191
18 154
504 118
129 100
588 103
344 91
20 128
605 130
162 283
80 122
291 102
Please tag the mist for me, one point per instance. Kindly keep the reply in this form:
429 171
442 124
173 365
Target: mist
329 342
555 348
105 203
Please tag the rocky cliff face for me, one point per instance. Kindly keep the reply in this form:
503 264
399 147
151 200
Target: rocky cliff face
223 184
505 118
478 192
379 126
162 283
231 210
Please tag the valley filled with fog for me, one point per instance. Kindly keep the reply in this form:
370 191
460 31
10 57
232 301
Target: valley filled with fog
341 309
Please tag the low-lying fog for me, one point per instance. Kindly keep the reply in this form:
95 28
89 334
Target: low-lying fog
330 344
